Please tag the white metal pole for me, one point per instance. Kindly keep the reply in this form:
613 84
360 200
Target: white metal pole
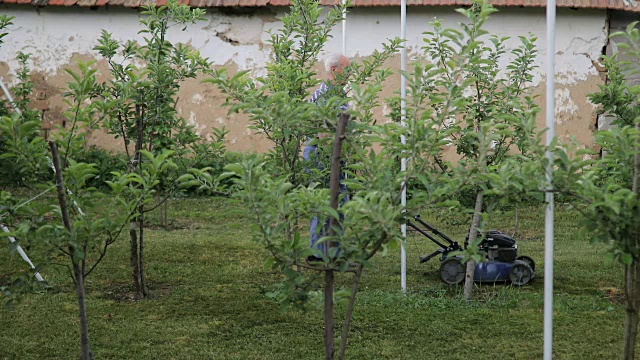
549 218
403 140
23 254
4 228
8 95
344 29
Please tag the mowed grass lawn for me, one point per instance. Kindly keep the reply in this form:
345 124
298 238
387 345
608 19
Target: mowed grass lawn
208 301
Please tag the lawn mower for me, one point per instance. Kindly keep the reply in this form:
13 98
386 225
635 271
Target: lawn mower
502 261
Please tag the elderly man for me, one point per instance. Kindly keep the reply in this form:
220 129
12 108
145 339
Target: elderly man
334 66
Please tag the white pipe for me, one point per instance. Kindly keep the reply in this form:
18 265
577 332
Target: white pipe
8 95
548 215
23 254
344 29
4 228
403 140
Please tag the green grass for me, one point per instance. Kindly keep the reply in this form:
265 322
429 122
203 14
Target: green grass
208 284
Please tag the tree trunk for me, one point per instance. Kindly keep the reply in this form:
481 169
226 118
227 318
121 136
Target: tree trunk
133 257
85 346
165 207
143 284
349 314
137 221
334 179
328 314
473 234
631 277
78 271
630 334
329 275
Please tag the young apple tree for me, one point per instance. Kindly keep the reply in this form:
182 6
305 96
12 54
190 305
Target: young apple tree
139 106
486 113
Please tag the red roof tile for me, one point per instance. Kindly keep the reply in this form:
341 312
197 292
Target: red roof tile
625 5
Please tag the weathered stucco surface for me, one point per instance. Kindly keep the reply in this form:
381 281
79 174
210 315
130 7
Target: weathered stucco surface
57 37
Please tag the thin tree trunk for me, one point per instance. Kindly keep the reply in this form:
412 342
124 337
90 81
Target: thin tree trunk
85 345
473 234
165 211
349 314
133 257
62 200
329 275
334 179
475 222
136 222
631 311
143 286
328 314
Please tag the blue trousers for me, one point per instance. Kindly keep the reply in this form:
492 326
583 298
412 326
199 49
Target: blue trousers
310 153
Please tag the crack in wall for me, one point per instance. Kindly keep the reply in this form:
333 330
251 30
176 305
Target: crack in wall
224 37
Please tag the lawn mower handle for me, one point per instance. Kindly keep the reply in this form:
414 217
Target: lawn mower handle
432 229
426 234
425 258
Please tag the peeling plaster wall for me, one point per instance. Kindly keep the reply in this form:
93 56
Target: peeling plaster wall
54 34
58 36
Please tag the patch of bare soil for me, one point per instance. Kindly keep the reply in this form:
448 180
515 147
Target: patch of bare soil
614 295
170 226
125 292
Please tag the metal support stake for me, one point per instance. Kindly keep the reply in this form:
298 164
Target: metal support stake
549 217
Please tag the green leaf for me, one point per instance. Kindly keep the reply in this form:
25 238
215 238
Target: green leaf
330 212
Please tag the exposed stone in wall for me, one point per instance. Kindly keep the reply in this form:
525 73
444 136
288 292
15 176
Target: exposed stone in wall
575 114
565 109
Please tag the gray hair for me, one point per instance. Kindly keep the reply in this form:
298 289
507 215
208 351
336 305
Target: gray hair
332 60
